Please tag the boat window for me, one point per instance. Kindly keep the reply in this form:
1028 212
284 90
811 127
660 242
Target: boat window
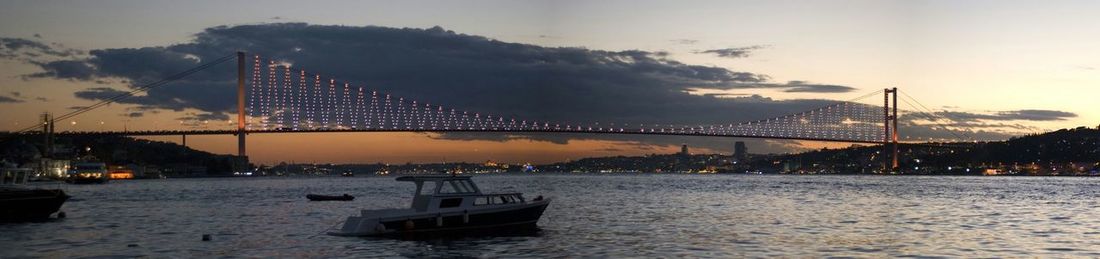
447 188
481 201
462 186
459 187
450 203
469 184
428 188
454 187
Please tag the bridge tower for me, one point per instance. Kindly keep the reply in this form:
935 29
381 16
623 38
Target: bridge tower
890 138
242 157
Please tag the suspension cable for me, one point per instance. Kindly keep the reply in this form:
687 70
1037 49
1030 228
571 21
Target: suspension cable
930 115
136 90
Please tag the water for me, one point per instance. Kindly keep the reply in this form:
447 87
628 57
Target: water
590 216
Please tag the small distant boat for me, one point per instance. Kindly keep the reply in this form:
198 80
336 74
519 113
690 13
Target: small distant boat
448 204
318 197
347 173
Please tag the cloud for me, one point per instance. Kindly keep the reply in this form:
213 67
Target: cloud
98 93
806 87
733 52
205 117
1037 115
789 87
31 50
65 69
685 41
995 125
6 99
1017 115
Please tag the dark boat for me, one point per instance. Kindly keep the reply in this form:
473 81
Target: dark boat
318 197
19 203
448 205
347 173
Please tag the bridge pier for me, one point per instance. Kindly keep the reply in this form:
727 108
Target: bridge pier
242 157
890 137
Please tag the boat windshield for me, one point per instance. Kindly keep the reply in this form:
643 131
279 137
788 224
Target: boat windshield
14 176
457 186
427 189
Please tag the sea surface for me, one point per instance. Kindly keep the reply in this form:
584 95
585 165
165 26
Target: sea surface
590 216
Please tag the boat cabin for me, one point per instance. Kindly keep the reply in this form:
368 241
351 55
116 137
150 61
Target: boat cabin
441 192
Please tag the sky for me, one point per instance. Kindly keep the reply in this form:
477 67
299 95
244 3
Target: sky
993 68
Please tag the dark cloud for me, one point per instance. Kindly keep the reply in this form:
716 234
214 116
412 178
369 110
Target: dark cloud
733 52
31 50
66 69
1018 115
1037 115
98 93
806 87
6 99
790 87
135 114
16 94
205 116
437 66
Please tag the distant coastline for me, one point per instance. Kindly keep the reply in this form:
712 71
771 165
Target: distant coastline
1066 152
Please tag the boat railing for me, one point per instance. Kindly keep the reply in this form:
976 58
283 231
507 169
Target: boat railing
482 199
469 194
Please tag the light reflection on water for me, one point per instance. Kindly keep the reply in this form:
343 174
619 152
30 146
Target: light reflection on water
590 216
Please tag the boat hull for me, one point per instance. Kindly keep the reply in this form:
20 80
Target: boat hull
494 220
30 205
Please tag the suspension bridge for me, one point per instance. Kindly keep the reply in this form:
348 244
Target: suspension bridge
274 98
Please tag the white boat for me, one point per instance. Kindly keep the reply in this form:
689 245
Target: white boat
448 204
